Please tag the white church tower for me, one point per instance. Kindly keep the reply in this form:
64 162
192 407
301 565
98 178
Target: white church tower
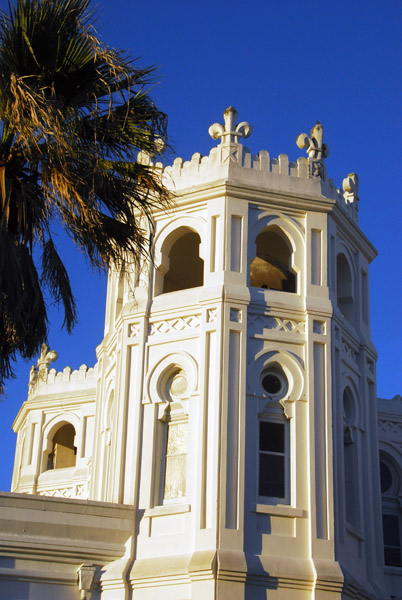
233 405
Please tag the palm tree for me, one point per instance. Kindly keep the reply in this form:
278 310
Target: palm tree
73 115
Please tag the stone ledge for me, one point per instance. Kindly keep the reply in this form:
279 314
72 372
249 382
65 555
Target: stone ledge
280 511
168 509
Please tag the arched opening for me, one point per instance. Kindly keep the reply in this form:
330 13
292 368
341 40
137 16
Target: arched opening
271 268
186 267
64 453
344 288
391 511
120 295
350 459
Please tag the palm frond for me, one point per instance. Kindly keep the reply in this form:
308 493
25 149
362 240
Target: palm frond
73 115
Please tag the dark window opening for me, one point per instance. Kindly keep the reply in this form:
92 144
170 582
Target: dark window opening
344 288
186 267
64 453
386 477
271 383
271 481
392 540
271 267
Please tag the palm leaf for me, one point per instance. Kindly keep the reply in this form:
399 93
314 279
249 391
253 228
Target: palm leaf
73 115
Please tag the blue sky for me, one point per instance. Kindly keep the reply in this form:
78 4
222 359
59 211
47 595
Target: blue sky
283 65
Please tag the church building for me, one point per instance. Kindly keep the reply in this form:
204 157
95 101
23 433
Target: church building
228 443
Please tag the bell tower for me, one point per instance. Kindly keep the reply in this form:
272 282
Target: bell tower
231 416
236 407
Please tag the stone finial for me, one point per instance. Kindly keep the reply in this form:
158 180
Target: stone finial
46 357
230 132
145 158
351 185
351 194
315 149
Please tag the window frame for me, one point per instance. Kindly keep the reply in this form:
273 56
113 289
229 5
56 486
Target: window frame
169 418
390 505
275 419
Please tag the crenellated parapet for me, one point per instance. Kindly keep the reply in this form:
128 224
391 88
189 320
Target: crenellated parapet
41 376
308 174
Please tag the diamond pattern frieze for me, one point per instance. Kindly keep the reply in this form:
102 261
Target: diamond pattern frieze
174 325
390 427
277 324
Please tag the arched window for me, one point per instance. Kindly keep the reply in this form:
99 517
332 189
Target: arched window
391 511
171 480
120 294
64 453
186 267
272 266
344 288
350 459
273 441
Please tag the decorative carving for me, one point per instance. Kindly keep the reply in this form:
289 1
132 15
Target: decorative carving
316 150
318 327
177 324
230 132
79 490
278 324
40 372
145 158
390 427
235 315
133 330
211 315
351 194
351 186
349 350
86 576
370 365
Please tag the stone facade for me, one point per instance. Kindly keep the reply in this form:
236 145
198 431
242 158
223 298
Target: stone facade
232 411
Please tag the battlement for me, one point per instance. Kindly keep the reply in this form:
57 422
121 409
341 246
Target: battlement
41 376
306 176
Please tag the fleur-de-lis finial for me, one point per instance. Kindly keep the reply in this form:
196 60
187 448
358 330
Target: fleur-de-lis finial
146 158
315 149
230 132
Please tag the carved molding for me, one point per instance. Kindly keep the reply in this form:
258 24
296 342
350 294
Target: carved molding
348 350
277 324
79 490
134 330
176 324
212 315
390 427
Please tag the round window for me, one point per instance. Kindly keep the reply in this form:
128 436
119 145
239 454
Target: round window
274 383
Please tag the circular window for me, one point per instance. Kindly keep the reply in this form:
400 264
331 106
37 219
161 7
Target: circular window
386 477
274 383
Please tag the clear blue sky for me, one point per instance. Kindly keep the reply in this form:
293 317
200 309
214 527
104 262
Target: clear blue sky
283 65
